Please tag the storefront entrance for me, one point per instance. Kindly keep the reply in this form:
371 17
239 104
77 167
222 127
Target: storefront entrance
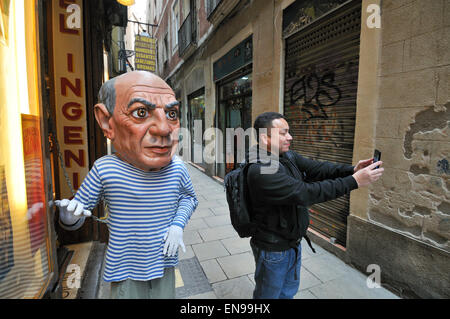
235 111
196 118
232 74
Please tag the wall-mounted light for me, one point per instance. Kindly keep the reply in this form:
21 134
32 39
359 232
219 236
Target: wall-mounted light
126 2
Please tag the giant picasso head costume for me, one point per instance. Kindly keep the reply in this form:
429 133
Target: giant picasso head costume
138 112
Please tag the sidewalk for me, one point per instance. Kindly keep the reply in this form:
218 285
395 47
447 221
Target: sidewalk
218 264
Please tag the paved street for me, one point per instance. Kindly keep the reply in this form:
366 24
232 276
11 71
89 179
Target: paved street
220 265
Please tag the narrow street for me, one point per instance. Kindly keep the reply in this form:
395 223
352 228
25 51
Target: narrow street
220 265
340 81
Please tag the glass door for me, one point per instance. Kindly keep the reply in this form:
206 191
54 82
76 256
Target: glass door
235 111
196 103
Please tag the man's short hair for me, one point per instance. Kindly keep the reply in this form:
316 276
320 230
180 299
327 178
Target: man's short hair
264 120
107 95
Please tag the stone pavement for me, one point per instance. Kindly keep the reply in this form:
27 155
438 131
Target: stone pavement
218 264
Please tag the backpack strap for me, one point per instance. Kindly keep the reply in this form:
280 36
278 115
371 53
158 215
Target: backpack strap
291 160
309 243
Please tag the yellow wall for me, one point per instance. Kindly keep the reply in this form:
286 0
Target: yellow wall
366 105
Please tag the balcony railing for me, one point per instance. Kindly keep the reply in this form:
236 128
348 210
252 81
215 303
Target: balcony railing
187 35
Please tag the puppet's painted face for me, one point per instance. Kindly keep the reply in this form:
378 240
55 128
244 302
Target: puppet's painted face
145 122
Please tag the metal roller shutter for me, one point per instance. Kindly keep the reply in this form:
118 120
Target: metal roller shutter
321 78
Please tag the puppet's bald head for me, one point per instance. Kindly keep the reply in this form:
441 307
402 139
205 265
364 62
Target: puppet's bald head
144 122
107 94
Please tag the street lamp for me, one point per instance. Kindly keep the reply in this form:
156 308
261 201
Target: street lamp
126 2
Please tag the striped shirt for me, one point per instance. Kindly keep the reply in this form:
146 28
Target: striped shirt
142 205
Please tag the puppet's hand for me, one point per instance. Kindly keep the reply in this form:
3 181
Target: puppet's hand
70 211
34 209
173 238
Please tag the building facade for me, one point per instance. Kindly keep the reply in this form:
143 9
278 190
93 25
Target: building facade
349 76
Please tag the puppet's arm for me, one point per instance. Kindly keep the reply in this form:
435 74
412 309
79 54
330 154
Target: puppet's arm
72 213
187 203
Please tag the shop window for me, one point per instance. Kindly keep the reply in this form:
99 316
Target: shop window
25 253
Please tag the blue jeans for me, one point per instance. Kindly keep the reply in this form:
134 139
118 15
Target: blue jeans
275 273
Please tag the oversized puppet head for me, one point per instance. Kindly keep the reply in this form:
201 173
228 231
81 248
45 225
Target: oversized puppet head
138 112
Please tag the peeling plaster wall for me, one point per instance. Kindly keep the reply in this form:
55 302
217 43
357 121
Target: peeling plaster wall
412 128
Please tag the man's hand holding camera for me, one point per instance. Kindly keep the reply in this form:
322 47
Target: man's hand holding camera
366 174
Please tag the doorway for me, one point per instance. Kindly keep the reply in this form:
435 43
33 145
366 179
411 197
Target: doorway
196 118
235 111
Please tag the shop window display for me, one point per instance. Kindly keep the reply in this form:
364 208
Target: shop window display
25 254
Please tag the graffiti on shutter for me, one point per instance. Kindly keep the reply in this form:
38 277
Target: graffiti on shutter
321 80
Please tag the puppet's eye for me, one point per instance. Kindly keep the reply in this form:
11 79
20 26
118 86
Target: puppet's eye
140 113
172 115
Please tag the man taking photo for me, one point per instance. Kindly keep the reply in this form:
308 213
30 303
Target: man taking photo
279 202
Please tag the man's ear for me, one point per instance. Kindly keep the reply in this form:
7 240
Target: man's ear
102 116
263 138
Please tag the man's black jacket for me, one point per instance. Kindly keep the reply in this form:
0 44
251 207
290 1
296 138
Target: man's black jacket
279 201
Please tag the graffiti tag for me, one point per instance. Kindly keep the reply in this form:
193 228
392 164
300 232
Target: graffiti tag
315 92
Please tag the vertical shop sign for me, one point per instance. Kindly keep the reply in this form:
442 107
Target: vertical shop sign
144 47
68 61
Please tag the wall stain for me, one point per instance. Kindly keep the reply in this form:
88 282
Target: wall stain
417 170
425 121
444 208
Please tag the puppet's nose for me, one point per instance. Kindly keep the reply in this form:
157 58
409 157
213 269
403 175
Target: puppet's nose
161 126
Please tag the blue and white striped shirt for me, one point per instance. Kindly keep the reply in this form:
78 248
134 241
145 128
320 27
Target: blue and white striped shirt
142 205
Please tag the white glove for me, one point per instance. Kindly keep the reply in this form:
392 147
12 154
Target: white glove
70 211
173 238
35 208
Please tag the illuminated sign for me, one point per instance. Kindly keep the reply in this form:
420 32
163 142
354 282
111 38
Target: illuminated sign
126 2
70 96
145 50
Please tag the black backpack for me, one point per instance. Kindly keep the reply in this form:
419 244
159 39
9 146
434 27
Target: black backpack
236 187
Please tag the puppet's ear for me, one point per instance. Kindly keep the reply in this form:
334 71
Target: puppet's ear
102 116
